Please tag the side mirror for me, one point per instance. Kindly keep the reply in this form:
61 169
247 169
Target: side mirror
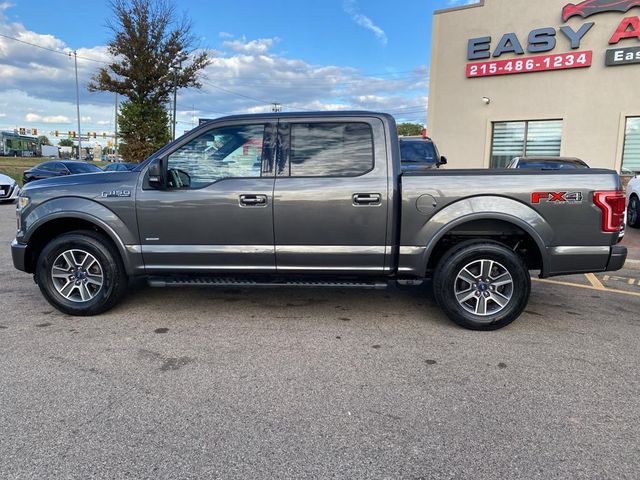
156 174
443 161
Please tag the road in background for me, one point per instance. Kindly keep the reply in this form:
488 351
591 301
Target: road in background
291 383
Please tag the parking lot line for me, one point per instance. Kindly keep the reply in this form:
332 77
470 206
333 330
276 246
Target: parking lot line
597 284
588 287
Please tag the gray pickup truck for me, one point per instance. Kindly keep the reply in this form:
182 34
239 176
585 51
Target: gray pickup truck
315 199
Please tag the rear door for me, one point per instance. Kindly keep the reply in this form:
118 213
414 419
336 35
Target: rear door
331 196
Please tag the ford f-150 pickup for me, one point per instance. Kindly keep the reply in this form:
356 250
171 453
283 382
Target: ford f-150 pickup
315 199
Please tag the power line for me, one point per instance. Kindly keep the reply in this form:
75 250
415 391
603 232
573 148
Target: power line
59 52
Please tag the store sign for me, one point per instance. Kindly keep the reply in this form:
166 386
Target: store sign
591 7
545 40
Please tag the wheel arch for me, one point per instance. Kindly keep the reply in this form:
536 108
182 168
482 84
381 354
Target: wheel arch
488 217
59 223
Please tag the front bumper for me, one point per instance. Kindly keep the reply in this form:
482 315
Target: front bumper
19 255
9 193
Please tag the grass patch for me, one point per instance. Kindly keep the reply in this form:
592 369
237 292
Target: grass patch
15 166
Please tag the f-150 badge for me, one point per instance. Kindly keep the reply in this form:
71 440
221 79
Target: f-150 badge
591 7
116 193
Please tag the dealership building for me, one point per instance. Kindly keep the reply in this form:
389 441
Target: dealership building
515 78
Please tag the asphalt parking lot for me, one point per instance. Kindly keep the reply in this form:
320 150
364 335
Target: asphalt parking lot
290 383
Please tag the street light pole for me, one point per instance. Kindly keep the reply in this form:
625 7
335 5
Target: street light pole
75 57
116 128
175 98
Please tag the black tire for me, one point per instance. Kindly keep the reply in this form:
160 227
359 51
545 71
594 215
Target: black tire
633 212
447 283
112 274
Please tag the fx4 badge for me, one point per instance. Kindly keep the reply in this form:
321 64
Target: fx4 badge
116 193
556 197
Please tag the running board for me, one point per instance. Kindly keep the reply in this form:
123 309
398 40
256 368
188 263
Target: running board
207 281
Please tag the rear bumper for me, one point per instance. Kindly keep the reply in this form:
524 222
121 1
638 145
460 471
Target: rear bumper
572 260
617 259
19 255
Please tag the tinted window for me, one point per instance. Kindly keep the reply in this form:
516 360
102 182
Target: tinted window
521 139
47 167
417 152
82 168
631 154
331 149
227 152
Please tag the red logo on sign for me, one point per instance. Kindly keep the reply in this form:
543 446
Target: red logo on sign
591 7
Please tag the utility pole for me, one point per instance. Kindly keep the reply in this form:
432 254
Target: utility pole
175 97
115 141
75 57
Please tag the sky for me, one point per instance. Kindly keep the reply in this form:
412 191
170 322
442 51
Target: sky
305 55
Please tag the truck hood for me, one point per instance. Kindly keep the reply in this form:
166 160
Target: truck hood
98 179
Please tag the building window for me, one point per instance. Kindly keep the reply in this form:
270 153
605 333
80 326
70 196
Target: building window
631 155
525 139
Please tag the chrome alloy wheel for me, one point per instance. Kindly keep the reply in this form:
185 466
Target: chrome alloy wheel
484 287
77 275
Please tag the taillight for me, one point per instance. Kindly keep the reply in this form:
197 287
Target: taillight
612 205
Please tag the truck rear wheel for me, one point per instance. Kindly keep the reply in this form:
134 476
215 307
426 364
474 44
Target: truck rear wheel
81 274
482 285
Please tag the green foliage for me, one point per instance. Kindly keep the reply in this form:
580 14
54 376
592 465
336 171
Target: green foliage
44 140
149 40
65 142
409 129
145 128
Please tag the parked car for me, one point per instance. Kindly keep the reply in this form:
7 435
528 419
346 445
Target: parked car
9 189
325 206
547 163
58 169
120 167
418 153
633 203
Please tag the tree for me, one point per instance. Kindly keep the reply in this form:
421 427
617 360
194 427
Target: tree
44 140
65 142
148 42
409 129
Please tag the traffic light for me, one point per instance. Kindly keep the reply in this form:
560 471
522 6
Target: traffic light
34 131
23 131
69 133
94 134
104 134
56 133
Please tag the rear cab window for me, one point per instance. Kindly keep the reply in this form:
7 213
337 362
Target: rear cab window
343 149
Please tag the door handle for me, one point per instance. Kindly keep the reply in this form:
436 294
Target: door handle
253 200
367 199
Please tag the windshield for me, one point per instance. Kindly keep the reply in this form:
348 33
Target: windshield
417 152
550 165
82 167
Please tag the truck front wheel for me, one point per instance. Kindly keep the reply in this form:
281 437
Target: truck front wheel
482 285
80 273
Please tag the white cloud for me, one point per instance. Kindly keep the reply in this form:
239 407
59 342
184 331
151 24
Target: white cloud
35 118
253 47
351 8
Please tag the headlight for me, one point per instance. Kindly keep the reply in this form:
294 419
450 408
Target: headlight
23 202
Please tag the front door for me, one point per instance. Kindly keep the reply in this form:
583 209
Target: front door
216 214
331 197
